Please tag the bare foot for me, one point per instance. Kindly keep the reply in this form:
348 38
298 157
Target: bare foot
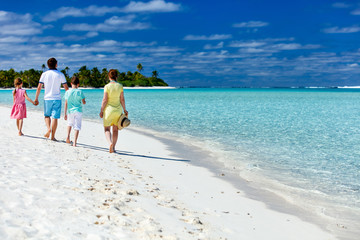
21 134
74 144
47 134
111 149
68 140
54 139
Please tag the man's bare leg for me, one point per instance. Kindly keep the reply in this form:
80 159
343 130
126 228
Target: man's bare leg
48 124
53 129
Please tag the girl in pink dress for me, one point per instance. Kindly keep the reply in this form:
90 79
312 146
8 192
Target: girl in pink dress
18 111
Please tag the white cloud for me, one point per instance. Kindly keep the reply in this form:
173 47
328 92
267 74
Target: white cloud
152 6
356 12
211 37
341 5
253 50
217 46
267 46
107 43
290 39
113 24
294 46
352 29
93 10
250 24
92 34
52 39
160 49
137 44
250 44
13 39
12 24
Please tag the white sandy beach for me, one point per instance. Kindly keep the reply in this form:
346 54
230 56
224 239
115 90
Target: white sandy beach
50 190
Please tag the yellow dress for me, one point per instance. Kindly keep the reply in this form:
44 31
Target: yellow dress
113 109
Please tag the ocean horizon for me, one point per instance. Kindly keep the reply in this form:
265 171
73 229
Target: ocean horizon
296 142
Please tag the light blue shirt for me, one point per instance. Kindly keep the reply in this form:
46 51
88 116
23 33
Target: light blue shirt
74 99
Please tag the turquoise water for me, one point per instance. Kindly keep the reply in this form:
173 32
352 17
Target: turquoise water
304 138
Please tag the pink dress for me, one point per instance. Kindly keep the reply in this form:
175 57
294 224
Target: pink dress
19 108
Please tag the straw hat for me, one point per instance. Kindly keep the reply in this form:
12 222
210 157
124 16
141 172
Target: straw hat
123 121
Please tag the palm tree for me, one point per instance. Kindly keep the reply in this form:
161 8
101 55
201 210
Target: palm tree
139 67
67 70
25 78
104 76
95 77
84 76
43 67
155 74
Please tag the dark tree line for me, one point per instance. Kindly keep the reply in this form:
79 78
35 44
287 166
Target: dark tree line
88 77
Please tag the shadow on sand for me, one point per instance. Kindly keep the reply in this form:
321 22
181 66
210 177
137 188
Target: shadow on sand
123 153
131 154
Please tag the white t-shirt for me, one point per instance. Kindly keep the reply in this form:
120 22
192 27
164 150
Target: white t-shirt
52 80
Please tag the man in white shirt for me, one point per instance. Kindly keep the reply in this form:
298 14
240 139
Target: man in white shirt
52 81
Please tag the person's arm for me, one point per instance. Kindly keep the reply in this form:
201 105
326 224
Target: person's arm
14 95
65 86
104 103
38 90
29 99
122 101
83 98
66 106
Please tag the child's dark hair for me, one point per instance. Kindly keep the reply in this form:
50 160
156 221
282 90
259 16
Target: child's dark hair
52 63
113 74
17 82
75 80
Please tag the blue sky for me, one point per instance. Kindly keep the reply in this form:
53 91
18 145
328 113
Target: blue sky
190 43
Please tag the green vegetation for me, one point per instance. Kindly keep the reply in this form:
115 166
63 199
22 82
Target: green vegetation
88 77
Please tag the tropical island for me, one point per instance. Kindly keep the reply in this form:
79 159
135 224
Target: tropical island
88 77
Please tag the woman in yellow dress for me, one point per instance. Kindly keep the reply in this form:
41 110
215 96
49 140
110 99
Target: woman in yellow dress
113 105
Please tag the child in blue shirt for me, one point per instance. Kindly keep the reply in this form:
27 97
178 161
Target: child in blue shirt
73 99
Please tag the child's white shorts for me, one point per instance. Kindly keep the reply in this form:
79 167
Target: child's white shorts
74 120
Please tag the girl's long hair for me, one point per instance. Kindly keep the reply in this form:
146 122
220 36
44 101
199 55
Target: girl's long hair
17 82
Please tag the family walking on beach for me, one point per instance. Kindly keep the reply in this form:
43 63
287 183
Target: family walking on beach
113 110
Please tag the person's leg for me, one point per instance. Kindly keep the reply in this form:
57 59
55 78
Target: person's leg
115 136
17 124
70 122
108 134
68 136
108 137
47 114
48 126
77 126
20 127
75 137
54 124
